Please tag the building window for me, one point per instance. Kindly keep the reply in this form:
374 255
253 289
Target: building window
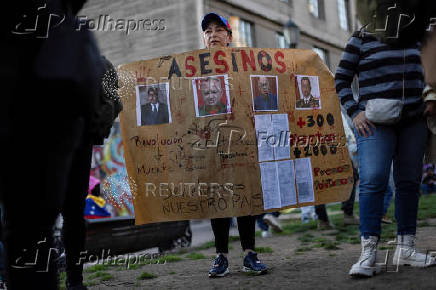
280 40
245 33
242 32
343 14
316 8
323 54
313 7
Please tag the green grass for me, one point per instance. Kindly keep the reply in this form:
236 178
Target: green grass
350 238
389 232
334 207
211 244
134 266
328 245
172 273
206 245
195 256
306 238
62 279
90 283
351 234
182 251
262 250
146 275
104 276
427 207
424 224
171 258
303 249
97 274
165 259
295 226
96 268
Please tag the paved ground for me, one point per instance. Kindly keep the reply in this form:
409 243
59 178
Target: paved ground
302 260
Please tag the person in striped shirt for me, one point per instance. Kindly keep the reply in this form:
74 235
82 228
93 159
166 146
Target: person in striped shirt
385 71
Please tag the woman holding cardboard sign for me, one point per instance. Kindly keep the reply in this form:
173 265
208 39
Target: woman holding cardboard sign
217 33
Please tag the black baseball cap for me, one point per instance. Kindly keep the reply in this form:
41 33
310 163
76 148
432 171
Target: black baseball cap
208 18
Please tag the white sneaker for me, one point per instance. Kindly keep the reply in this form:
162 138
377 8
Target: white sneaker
266 234
406 254
273 222
366 266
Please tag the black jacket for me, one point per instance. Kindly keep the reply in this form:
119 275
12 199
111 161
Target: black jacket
148 118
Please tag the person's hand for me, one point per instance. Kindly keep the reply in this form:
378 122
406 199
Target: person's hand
430 109
363 125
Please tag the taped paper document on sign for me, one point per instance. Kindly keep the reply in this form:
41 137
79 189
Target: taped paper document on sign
272 137
278 184
304 179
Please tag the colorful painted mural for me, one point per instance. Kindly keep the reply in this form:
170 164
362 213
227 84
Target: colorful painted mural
109 166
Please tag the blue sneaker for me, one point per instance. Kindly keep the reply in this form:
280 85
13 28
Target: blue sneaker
253 265
220 267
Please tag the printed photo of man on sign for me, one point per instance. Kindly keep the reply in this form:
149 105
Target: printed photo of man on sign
211 96
308 96
153 104
264 90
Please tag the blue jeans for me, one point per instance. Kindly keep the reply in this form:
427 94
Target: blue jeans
404 144
428 188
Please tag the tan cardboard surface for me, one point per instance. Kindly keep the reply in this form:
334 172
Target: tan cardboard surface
207 166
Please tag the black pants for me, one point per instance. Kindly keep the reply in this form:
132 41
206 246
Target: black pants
221 227
34 189
74 227
347 206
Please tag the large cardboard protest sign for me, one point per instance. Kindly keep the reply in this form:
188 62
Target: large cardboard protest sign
232 132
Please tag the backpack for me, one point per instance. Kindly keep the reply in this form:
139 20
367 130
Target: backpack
108 104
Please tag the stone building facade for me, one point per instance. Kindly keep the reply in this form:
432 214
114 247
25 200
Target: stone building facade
131 30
